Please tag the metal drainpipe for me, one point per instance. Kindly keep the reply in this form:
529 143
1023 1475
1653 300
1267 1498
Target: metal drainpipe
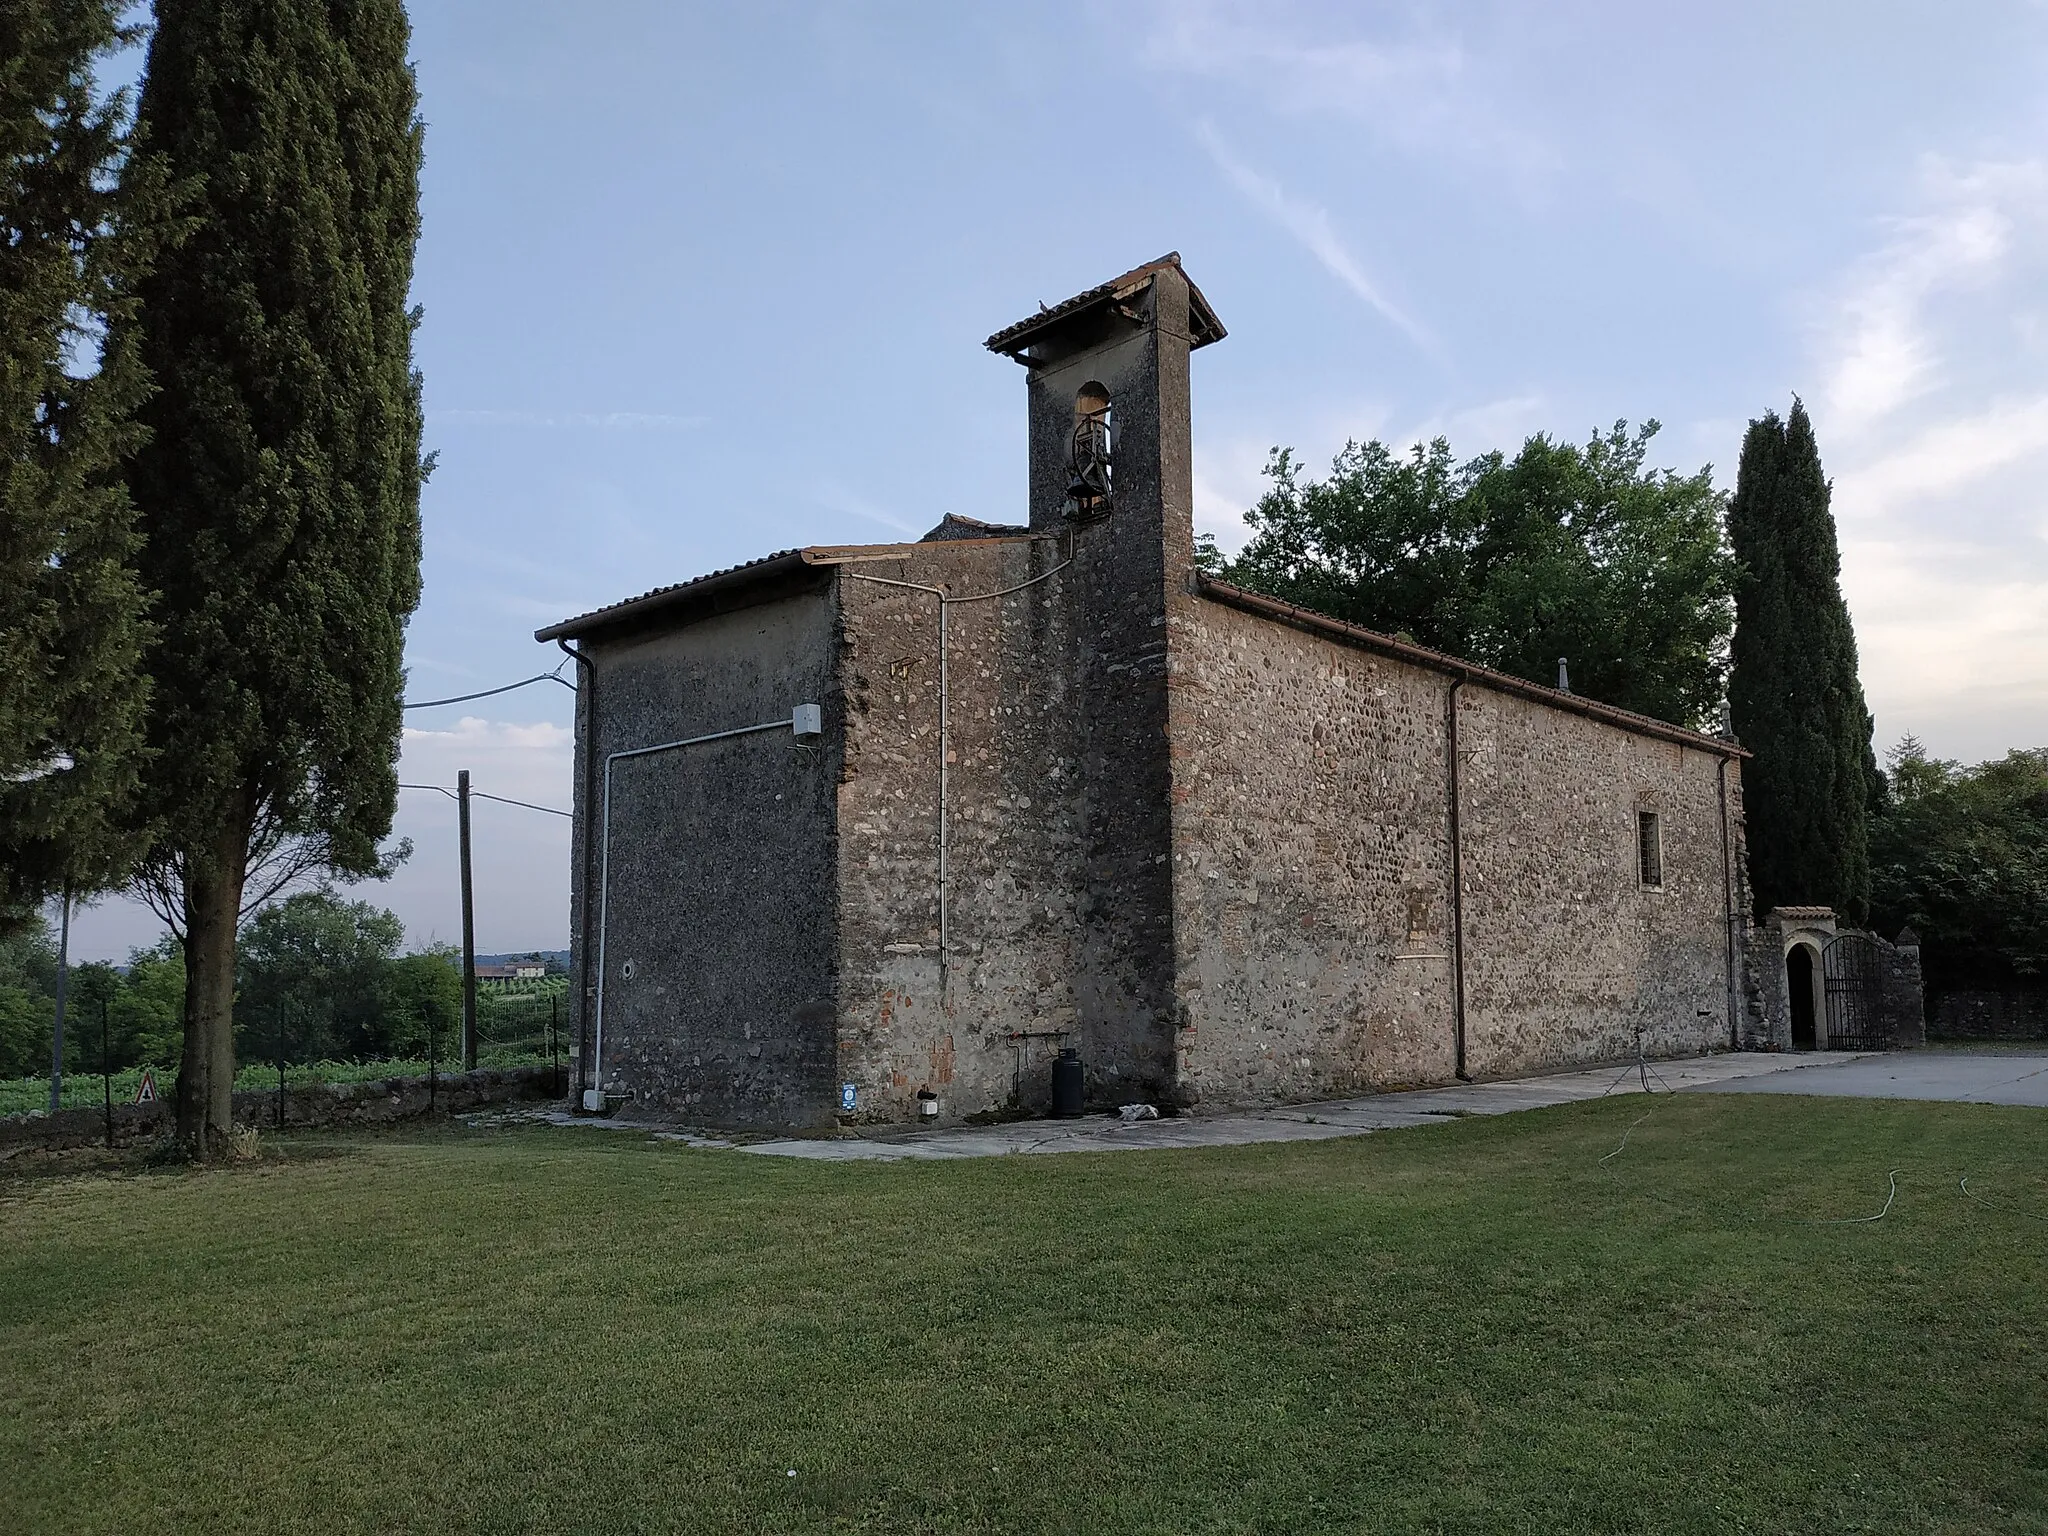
946 602
586 699
604 858
1728 903
1451 786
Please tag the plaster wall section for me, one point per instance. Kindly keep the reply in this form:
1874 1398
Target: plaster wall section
719 965
978 1024
1567 951
1311 855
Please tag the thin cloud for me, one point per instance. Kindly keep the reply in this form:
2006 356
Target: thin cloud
1936 428
1884 342
837 498
1948 457
1420 92
1309 224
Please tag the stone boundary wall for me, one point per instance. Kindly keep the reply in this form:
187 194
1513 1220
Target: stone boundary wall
1905 998
380 1101
1975 1015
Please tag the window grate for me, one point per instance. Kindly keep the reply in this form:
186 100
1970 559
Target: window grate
1649 848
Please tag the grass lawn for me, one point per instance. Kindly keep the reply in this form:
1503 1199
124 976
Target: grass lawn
1478 1326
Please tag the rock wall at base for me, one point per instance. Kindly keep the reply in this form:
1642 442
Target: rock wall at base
1985 1015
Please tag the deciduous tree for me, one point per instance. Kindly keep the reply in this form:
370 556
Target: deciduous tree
1568 550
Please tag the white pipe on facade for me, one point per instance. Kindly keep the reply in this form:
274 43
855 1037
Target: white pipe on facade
593 1097
946 602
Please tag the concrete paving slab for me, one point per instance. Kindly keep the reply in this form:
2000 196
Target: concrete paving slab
1954 1076
1298 1122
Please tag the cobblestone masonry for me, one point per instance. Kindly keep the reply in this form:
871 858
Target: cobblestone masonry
1312 852
719 964
1207 848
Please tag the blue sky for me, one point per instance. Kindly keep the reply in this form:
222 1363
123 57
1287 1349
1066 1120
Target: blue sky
705 281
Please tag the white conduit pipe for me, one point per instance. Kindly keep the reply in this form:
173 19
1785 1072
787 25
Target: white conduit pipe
593 1097
946 602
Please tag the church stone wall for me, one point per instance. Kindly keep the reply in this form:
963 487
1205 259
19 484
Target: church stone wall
1567 953
980 1030
1312 868
1311 863
719 963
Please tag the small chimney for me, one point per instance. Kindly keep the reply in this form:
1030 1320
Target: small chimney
1564 677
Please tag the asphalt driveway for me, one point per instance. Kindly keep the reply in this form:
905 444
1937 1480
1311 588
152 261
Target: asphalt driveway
1955 1076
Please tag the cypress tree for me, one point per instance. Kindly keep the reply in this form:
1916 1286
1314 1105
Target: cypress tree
76 229
1794 696
280 491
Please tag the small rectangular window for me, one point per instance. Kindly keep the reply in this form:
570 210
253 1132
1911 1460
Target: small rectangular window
1649 848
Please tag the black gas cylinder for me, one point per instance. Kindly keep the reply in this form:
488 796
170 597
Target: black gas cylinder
1066 1084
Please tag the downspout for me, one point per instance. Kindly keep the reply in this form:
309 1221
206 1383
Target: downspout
586 699
805 721
946 602
1451 787
1728 902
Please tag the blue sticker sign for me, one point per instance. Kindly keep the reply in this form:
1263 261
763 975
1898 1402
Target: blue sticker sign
846 1097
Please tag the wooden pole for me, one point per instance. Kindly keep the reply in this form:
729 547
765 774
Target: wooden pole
468 933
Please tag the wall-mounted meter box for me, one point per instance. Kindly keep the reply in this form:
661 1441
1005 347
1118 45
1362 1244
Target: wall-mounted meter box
808 721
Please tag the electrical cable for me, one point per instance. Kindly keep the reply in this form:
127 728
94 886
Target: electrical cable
477 794
463 698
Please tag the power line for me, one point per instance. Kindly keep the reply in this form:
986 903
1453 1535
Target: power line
525 805
480 795
463 698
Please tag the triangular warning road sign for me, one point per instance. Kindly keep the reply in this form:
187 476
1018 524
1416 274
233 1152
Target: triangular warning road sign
146 1094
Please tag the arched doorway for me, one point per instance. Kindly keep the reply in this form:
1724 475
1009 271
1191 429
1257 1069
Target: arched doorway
1799 993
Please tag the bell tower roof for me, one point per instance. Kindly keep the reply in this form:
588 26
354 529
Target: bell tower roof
1084 311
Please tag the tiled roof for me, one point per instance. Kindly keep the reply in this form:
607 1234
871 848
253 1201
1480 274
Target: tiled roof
598 616
1202 322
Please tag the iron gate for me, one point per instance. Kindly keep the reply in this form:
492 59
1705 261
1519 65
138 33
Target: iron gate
1853 966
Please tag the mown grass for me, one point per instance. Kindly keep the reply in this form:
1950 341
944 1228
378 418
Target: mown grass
1473 1327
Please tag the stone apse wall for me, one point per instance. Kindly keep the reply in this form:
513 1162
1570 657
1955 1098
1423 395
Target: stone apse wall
1312 861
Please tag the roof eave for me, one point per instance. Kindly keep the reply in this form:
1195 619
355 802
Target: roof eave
1453 666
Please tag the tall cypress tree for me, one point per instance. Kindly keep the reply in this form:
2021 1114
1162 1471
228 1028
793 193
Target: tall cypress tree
280 492
1794 696
77 226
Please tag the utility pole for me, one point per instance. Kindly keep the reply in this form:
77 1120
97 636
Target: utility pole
468 933
57 1036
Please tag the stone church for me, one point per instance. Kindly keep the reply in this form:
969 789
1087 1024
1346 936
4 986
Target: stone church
871 833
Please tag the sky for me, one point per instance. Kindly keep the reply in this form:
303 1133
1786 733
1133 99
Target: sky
704 281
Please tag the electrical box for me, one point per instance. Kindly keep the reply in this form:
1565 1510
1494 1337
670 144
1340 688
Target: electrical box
808 721
593 1101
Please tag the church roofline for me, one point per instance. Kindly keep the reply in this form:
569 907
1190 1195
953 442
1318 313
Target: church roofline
1203 326
1452 666
734 579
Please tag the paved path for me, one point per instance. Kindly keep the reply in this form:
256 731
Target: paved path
1298 1122
1954 1076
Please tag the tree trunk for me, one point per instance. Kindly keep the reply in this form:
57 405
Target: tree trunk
213 909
